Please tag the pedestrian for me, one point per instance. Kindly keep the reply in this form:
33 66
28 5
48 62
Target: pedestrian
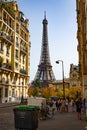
78 108
42 112
84 105
72 102
62 109
22 99
66 105
57 105
54 106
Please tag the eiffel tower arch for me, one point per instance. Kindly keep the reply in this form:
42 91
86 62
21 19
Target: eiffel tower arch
44 72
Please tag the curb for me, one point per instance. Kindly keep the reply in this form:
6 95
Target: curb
4 105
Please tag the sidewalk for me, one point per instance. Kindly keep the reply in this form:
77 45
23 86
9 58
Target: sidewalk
2 105
60 121
63 121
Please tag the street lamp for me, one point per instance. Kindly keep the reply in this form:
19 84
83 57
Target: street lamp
22 88
62 76
22 97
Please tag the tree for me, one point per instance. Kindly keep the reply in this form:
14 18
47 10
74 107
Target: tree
37 83
30 91
75 92
33 91
47 92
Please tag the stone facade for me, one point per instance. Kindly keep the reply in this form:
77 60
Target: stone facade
14 52
82 42
74 76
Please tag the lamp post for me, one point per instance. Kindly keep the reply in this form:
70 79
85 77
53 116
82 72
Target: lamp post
22 97
22 88
62 76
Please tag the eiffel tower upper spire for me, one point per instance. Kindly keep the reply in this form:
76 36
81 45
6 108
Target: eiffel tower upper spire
44 72
44 14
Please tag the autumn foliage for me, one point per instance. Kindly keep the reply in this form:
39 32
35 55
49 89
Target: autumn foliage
47 92
75 92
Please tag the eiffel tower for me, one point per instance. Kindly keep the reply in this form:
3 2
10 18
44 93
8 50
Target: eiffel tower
45 73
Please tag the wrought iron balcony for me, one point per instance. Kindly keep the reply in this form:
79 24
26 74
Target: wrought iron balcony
23 49
23 71
5 66
6 37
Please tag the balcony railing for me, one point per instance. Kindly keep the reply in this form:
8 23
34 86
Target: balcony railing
5 36
24 26
23 49
23 71
5 66
8 9
4 81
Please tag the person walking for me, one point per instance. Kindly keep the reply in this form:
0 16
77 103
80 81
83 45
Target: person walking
72 103
84 105
66 105
62 109
58 104
78 108
22 99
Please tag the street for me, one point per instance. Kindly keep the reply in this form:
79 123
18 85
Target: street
61 121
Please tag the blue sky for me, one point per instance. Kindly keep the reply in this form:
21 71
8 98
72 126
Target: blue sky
62 32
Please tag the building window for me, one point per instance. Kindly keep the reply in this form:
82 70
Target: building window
14 81
85 58
9 92
10 22
13 93
16 93
16 54
17 41
23 59
7 61
16 65
7 51
6 92
74 83
17 28
1 47
4 17
74 75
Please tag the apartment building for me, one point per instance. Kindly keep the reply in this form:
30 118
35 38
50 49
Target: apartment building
81 7
14 52
74 76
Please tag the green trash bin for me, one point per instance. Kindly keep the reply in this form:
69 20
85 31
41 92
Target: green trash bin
36 108
26 117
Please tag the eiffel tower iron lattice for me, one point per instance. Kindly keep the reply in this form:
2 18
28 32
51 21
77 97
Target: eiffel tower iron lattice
45 73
